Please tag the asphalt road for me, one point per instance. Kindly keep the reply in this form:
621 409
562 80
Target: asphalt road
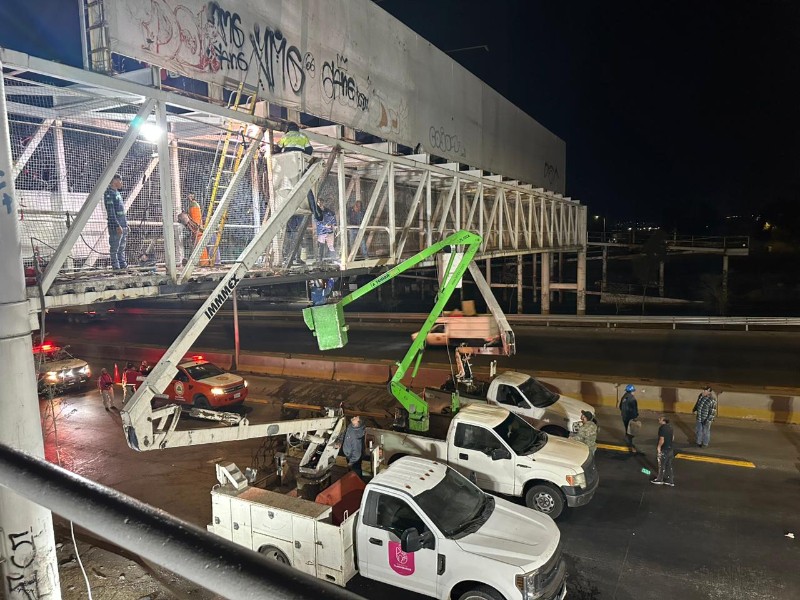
749 360
719 534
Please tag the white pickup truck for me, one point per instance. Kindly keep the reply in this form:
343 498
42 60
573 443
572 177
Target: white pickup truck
502 453
420 526
521 394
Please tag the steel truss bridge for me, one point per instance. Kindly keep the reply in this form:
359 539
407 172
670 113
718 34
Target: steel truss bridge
71 130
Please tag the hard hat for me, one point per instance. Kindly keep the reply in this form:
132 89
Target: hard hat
292 126
630 388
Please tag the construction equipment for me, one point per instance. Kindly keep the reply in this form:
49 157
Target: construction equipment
328 324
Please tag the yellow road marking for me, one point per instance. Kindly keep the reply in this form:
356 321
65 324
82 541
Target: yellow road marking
720 461
680 455
614 447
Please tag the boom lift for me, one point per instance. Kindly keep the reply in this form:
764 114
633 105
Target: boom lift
328 324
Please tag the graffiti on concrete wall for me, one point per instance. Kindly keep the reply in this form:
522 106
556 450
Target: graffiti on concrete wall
340 85
23 579
551 175
444 141
214 39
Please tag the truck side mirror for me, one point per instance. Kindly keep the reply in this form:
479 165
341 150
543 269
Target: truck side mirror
410 541
500 454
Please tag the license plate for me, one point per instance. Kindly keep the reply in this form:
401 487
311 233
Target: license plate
237 395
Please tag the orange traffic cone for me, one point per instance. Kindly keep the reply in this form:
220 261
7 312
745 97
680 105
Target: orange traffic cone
117 378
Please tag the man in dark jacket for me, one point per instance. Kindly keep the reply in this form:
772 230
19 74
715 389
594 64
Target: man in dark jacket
629 410
117 224
353 446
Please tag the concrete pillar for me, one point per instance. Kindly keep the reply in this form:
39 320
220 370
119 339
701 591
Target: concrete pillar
661 278
29 567
519 284
725 259
546 257
560 276
535 269
581 283
604 279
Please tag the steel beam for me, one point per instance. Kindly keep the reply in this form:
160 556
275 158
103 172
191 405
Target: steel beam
165 185
31 147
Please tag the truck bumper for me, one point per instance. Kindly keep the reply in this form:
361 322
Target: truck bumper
578 496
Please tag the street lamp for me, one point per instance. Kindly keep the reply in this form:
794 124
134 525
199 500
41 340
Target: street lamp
597 218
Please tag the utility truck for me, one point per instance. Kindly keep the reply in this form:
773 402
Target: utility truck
504 454
419 526
519 393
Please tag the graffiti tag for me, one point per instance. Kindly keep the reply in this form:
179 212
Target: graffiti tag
339 84
446 142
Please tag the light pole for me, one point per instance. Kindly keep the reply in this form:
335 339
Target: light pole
597 218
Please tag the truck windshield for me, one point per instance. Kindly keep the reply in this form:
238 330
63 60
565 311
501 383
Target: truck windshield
203 371
519 434
454 503
538 395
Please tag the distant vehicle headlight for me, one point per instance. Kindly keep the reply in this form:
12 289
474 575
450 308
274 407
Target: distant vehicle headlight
85 370
52 376
245 383
217 391
578 480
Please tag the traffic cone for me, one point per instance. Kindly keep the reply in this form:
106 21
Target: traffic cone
117 378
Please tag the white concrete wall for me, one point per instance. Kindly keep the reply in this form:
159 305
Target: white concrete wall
347 61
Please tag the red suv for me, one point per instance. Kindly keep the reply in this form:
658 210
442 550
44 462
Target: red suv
205 385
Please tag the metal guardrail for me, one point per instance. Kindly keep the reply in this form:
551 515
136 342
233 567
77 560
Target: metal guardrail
204 558
605 321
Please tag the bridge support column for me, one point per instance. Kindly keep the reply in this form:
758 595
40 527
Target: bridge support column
581 283
519 284
661 279
725 283
560 276
29 566
604 279
535 266
546 256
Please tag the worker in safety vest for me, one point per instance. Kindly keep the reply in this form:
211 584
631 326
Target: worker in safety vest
294 140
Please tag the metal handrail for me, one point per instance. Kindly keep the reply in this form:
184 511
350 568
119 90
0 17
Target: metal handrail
206 559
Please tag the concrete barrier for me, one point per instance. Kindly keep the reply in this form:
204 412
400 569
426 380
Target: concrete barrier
771 405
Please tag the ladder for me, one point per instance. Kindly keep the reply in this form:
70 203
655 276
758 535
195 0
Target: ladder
96 40
223 175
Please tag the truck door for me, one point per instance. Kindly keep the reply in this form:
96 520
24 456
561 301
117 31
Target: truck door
473 447
384 519
510 398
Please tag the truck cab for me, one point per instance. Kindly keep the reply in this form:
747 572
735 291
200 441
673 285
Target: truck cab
476 330
421 527
543 408
503 454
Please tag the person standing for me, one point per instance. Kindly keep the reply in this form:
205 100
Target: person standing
629 410
706 411
587 431
326 227
117 223
105 383
295 140
664 451
130 380
355 216
145 368
353 446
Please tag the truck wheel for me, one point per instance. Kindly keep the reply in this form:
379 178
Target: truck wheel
546 499
556 431
481 592
201 401
276 554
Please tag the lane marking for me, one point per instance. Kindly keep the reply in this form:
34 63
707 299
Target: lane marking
720 461
731 462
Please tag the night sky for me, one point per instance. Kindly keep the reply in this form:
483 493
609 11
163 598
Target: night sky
680 113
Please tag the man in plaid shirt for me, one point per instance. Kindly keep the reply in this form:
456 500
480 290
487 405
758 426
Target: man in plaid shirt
706 410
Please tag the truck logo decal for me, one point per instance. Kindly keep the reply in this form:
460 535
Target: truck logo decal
401 562
178 388
220 298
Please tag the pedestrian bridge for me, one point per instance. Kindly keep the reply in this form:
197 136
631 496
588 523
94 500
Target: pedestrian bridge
71 130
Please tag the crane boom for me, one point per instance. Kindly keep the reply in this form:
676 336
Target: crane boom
328 324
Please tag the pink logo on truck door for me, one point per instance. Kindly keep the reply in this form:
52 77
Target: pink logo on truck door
401 562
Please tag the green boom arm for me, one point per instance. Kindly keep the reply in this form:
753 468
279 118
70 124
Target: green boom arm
327 321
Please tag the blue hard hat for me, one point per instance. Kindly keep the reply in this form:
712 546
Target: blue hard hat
630 388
